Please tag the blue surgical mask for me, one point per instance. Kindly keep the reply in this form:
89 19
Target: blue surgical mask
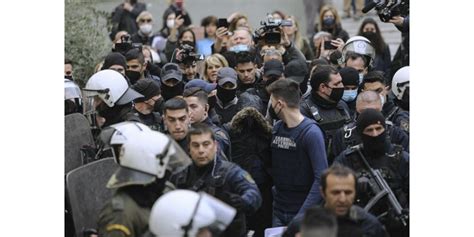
349 95
328 21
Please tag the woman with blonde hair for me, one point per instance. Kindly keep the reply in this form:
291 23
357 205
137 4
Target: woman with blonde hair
212 65
294 35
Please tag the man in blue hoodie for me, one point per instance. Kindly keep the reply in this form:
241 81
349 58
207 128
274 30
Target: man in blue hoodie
298 154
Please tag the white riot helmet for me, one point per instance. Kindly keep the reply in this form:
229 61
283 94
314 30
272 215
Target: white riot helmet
401 81
183 213
146 156
359 45
114 136
72 93
111 87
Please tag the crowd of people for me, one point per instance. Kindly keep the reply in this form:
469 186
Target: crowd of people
246 130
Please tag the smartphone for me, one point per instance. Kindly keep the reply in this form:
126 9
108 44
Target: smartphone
179 12
328 45
222 22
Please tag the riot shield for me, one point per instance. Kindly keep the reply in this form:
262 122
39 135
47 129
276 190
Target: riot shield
77 133
87 192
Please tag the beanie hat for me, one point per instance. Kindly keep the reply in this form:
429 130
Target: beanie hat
147 87
369 117
114 59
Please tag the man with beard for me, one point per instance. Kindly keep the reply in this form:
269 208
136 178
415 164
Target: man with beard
296 180
380 154
324 104
143 107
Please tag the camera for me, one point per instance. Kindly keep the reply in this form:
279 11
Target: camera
126 45
269 31
386 9
188 55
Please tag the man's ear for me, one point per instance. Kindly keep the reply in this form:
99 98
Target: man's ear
206 108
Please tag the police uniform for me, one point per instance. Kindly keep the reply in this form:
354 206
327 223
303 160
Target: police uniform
329 119
396 115
219 178
394 167
347 136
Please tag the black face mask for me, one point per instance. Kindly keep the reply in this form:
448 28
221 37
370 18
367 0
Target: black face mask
405 102
272 113
212 101
168 92
133 76
374 146
226 95
336 94
370 36
69 77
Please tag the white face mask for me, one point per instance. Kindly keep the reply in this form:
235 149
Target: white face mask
361 78
382 98
170 23
146 29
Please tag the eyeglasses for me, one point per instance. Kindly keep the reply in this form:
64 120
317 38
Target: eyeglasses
146 20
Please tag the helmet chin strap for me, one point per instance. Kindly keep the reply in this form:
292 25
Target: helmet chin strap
187 227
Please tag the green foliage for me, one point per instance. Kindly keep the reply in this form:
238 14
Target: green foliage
86 38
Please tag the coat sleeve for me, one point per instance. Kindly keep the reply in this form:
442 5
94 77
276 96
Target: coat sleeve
244 185
315 148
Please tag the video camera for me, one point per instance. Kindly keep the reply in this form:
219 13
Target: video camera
386 9
188 55
126 45
270 31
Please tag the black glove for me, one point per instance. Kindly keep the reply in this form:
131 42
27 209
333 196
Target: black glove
234 200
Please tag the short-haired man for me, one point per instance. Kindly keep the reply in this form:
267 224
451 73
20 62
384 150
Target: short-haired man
217 177
246 70
324 104
381 155
176 120
197 100
68 69
338 188
318 222
296 180
136 65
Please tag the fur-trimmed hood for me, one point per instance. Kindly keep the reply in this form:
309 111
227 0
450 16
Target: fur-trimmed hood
250 119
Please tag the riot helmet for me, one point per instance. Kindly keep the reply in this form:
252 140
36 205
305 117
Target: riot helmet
196 211
400 82
72 97
145 157
110 87
359 45
114 136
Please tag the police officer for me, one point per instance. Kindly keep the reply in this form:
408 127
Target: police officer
347 136
72 97
108 96
221 179
359 53
401 90
324 104
381 155
146 160
197 215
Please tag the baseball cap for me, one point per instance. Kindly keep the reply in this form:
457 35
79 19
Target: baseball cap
273 67
296 70
226 74
171 71
206 86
